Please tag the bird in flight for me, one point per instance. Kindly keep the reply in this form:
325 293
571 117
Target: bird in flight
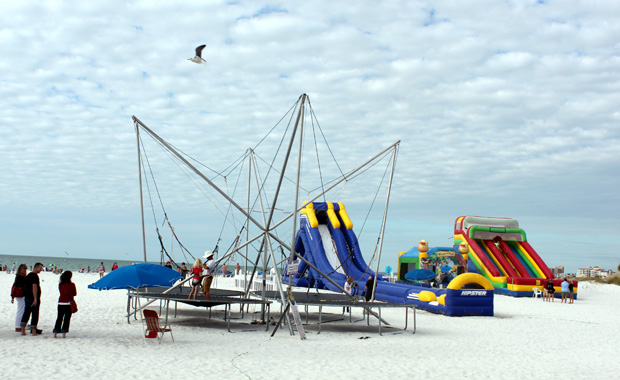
198 58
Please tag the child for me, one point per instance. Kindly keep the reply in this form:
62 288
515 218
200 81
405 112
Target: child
196 279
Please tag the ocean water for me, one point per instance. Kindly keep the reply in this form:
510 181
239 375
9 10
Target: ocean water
65 263
74 264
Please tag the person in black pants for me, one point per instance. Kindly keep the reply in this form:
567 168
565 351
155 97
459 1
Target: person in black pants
67 292
32 300
551 289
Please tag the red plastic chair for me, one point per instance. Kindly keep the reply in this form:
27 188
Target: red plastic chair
152 325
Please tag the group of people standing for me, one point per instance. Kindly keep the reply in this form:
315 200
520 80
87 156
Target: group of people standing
7 269
568 291
26 291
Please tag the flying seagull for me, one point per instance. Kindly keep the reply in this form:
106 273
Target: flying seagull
198 57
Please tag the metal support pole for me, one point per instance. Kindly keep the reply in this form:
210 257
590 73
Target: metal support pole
140 181
387 203
247 221
267 245
301 139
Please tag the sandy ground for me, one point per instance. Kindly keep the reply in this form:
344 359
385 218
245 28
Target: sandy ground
527 338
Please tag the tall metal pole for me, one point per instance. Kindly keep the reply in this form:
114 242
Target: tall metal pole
141 197
268 246
247 221
286 157
387 202
301 139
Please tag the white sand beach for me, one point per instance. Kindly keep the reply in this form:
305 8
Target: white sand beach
527 338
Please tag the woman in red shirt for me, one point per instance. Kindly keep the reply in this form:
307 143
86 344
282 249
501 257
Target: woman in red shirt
67 292
197 278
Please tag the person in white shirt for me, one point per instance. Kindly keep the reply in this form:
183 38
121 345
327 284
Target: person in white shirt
348 285
209 270
564 285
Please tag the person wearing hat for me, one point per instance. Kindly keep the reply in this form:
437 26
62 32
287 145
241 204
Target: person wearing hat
209 267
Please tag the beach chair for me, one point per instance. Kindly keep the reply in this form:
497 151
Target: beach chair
537 292
152 325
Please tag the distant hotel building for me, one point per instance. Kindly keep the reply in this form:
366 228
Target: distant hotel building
557 270
594 272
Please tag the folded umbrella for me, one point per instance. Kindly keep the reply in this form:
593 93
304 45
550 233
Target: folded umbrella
136 276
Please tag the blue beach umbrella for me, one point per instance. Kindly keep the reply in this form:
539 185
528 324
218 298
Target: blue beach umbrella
420 275
137 276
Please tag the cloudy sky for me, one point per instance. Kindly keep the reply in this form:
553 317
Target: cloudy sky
506 109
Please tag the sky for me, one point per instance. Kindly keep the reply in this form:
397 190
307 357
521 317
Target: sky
502 109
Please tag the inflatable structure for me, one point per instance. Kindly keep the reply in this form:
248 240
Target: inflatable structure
444 261
326 239
499 251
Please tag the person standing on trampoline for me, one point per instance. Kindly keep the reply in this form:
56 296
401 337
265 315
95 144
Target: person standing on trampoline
370 284
208 277
196 273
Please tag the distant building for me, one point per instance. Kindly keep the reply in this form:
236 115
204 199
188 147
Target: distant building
594 272
557 270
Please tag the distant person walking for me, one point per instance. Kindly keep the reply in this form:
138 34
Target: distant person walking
564 291
101 270
571 291
114 266
32 298
17 294
237 269
67 291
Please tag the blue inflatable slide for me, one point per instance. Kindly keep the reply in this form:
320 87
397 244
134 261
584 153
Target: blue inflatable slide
326 239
